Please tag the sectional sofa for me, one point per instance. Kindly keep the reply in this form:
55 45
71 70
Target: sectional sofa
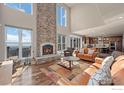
117 73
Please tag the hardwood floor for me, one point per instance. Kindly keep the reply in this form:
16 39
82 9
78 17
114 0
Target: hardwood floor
32 75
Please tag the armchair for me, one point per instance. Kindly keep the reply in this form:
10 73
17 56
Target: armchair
68 52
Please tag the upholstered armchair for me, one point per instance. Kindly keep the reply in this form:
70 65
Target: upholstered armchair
68 52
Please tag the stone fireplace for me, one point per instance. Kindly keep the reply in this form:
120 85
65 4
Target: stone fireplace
47 49
46 29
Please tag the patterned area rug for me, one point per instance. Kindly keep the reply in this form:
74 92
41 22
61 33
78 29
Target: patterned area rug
56 71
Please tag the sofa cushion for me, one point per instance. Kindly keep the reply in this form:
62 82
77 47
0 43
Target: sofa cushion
84 56
85 50
87 56
119 58
81 79
118 65
97 65
90 51
99 60
117 71
118 77
91 70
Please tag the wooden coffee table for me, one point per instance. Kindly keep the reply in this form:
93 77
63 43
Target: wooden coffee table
71 60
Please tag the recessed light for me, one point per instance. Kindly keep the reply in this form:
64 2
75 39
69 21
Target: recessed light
120 17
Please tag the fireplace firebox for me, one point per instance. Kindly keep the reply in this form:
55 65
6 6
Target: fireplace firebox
47 49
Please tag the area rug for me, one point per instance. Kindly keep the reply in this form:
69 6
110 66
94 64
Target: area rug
56 71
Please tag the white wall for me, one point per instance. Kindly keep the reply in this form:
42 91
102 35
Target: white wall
85 17
13 17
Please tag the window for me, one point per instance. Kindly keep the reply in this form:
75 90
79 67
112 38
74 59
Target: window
26 36
61 42
12 49
61 16
26 40
26 50
74 42
25 7
12 42
18 39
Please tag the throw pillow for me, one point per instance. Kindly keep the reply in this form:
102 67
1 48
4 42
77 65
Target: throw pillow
101 77
90 51
116 54
82 51
107 62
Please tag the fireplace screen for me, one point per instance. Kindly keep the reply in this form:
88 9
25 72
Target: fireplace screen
47 49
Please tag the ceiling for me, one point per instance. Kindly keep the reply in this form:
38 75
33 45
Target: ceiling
112 15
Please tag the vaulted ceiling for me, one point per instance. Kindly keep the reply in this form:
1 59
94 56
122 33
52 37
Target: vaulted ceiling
112 15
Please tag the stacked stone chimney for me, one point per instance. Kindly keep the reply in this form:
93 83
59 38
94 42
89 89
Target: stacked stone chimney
46 25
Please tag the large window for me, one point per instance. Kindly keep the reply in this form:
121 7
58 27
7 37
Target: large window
25 7
61 16
75 42
18 42
61 42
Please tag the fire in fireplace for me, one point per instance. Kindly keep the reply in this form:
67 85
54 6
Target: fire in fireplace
47 49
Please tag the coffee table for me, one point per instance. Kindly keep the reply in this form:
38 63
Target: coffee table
71 60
